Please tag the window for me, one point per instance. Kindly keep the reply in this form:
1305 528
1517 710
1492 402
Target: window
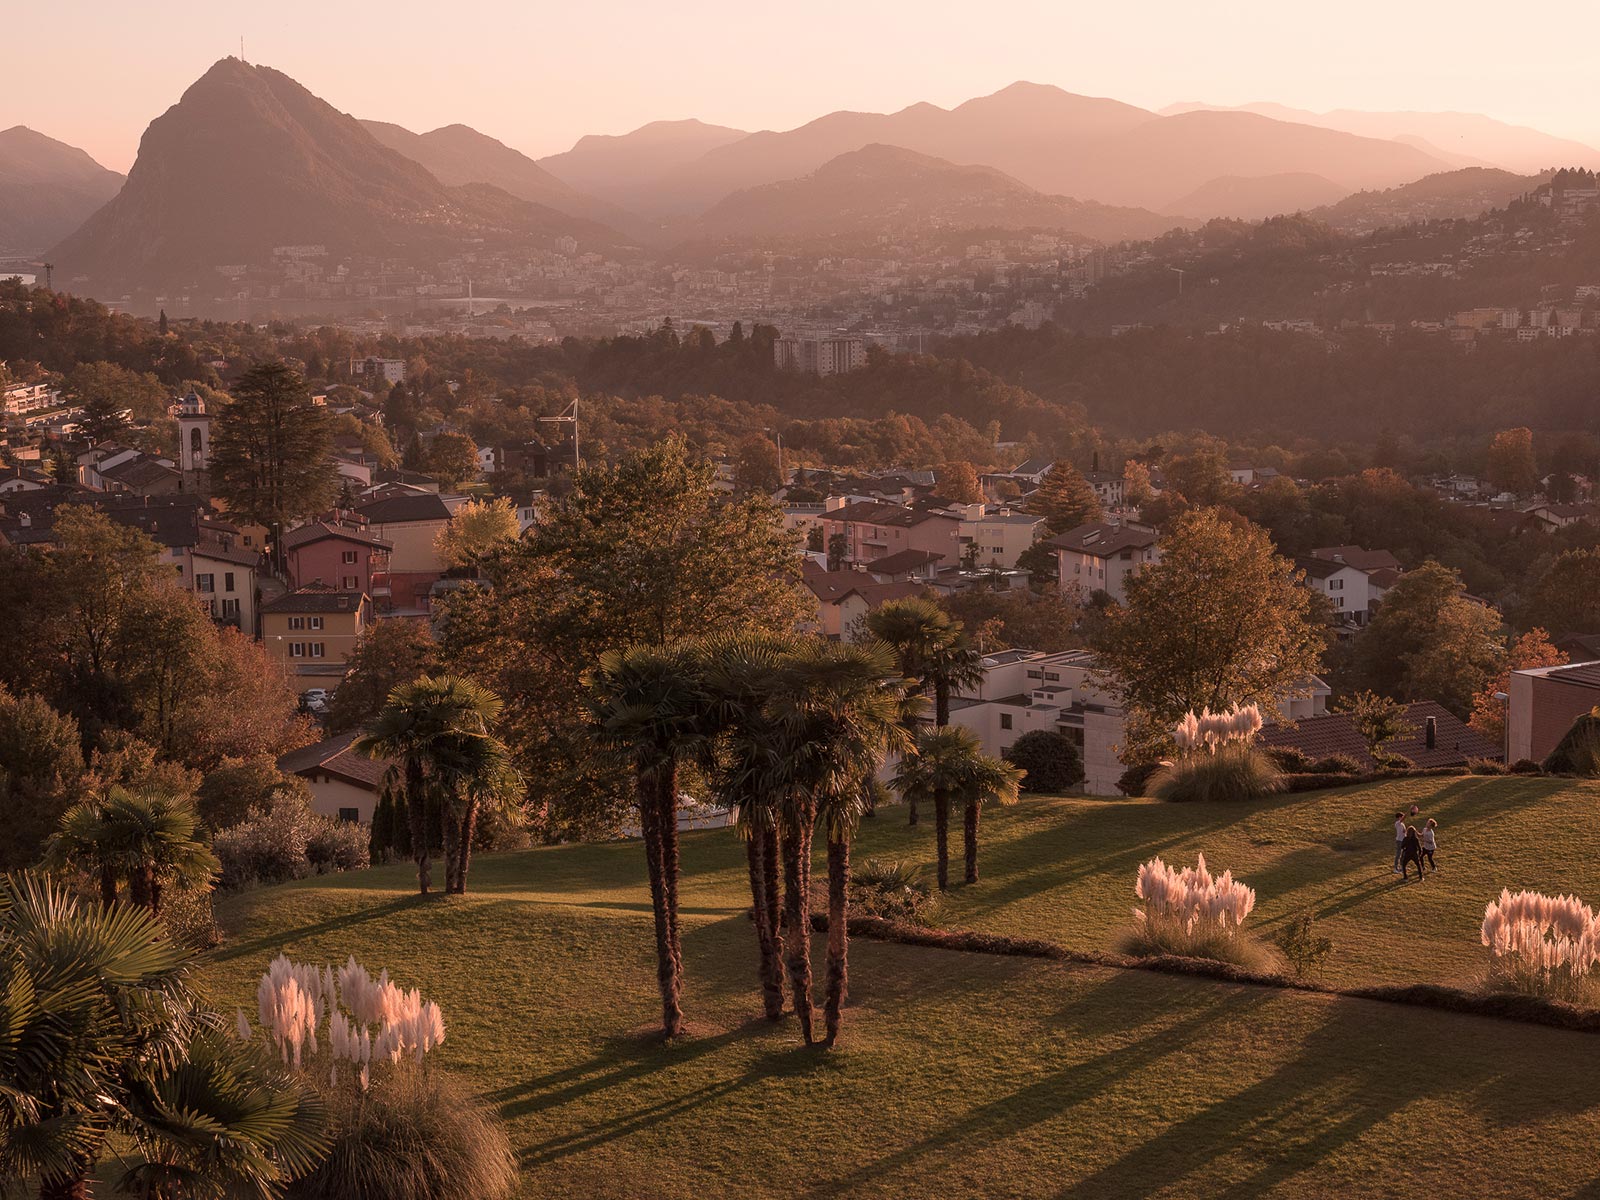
205 583
316 650
297 649
297 622
349 557
351 583
313 622
1336 585
1127 556
353 815
1005 720
227 581
230 608
1052 676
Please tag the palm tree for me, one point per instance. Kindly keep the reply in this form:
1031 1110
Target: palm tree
941 768
931 648
425 727
987 778
841 709
475 772
100 1034
147 838
648 704
743 671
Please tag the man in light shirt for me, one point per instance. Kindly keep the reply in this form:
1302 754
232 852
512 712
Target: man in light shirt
1399 839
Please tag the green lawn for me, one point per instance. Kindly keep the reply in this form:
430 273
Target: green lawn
973 1075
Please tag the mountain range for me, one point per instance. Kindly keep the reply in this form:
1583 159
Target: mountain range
248 161
886 189
1052 140
47 189
1461 139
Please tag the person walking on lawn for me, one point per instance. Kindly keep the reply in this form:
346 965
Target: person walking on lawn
1410 852
1430 843
1399 839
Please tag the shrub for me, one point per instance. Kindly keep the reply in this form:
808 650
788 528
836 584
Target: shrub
1302 947
1050 759
1388 761
335 845
1487 766
1290 760
1336 764
415 1135
1578 752
231 793
1237 771
1542 945
893 889
1133 780
1526 766
286 840
1195 914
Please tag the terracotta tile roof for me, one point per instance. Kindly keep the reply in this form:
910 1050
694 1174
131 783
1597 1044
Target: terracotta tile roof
1335 733
316 598
336 757
1358 557
902 561
319 530
1102 540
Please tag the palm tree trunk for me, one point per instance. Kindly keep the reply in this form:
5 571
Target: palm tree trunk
668 784
797 916
772 897
972 841
941 703
469 828
153 890
666 965
755 848
911 810
416 808
838 932
139 886
447 838
941 834
108 884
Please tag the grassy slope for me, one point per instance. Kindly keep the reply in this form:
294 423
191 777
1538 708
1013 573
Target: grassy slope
976 1075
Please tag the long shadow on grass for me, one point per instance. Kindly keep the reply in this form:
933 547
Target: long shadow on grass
1074 1086
345 920
1333 1092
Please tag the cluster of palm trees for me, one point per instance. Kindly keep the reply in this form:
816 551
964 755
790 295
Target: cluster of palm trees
791 733
447 764
146 839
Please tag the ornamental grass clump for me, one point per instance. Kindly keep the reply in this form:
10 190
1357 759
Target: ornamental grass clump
400 1130
1217 759
1542 945
1196 914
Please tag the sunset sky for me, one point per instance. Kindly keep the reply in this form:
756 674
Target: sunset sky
538 75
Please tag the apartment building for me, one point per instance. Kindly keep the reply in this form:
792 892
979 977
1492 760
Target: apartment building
1100 557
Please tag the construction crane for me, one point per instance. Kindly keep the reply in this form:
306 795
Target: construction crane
1181 272
568 416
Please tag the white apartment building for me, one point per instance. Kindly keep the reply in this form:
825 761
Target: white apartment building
24 398
1099 557
1000 537
820 356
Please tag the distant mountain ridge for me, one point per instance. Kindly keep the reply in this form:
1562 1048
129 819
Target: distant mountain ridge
249 160
886 189
47 189
621 168
1468 192
1052 140
457 155
1462 139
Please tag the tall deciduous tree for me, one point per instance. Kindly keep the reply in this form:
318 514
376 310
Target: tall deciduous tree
1528 652
1220 620
1511 465
388 654
958 481
1065 499
270 459
453 459
1429 641
476 531
1566 597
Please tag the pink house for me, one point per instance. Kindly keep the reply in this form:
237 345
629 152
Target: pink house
345 557
873 530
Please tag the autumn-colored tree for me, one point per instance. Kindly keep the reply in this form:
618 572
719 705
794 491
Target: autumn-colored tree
756 465
1566 597
1137 489
958 481
1526 653
477 530
388 654
1378 719
1065 499
1511 465
1220 620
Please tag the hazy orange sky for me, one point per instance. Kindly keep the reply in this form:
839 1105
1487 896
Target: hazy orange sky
537 75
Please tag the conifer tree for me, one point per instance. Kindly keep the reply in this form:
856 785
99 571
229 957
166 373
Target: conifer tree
1065 499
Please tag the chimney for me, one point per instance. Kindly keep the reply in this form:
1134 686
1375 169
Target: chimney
1430 732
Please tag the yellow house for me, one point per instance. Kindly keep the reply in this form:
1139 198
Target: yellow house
343 784
313 630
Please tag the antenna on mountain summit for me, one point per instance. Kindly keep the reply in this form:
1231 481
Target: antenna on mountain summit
241 49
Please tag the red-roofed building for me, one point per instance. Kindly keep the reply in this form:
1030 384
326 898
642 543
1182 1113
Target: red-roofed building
1438 738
